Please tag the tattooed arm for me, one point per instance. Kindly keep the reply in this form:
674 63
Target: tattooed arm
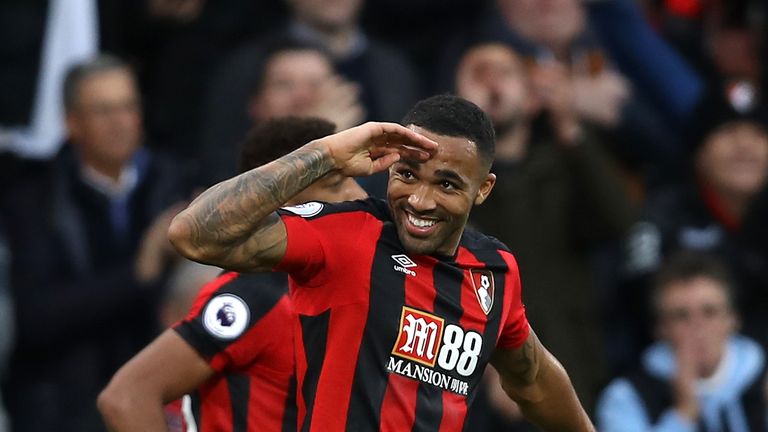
533 378
234 225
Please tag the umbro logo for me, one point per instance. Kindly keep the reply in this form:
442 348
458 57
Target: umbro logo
403 260
404 264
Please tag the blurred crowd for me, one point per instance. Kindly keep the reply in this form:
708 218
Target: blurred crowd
632 165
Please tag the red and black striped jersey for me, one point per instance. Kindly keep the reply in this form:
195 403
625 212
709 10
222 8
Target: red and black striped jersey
242 325
387 340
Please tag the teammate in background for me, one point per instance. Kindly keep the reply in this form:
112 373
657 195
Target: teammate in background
235 348
392 331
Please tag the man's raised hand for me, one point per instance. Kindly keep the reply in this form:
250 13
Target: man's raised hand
374 147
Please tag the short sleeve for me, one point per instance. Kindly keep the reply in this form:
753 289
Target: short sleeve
304 255
317 235
226 314
515 328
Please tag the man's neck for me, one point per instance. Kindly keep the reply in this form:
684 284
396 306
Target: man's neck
105 171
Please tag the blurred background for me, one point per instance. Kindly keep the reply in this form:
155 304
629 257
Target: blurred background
629 131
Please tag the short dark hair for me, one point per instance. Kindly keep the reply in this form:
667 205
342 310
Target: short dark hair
84 70
277 137
453 116
685 265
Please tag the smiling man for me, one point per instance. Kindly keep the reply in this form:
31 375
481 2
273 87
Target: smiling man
400 308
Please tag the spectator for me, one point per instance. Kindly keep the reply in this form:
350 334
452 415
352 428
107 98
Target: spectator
719 38
175 47
386 84
88 244
700 374
553 31
712 210
713 36
558 30
557 198
672 85
289 78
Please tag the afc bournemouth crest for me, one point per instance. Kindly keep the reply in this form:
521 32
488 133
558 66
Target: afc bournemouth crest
482 281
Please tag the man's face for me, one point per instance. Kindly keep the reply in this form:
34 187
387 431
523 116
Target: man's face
493 77
695 315
327 14
105 123
291 84
431 201
734 158
333 187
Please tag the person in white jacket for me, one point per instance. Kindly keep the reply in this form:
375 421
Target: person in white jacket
701 375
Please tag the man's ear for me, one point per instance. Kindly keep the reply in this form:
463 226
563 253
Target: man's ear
485 188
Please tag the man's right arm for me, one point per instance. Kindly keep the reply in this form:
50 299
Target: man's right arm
162 372
234 225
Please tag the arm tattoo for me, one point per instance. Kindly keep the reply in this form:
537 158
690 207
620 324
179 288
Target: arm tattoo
231 212
526 359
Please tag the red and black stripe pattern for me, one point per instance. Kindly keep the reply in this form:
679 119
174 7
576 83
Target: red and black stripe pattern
390 341
242 325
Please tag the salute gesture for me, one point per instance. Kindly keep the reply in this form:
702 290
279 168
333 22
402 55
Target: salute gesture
374 147
234 225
